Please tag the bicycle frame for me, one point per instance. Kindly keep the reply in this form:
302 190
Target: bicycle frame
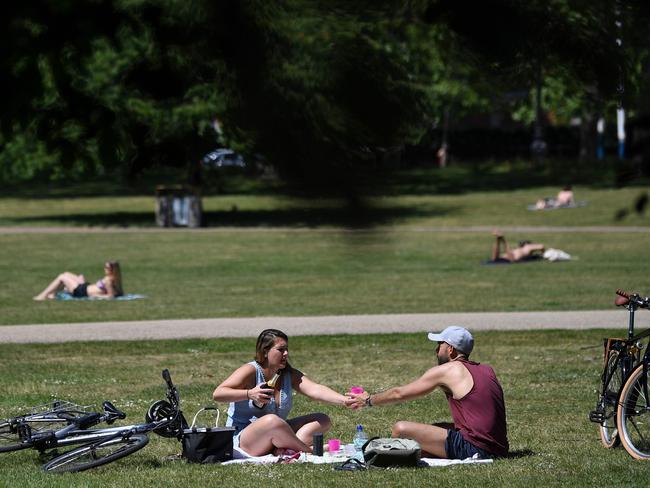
51 412
626 361
73 435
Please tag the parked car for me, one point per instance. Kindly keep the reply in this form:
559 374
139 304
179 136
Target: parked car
223 158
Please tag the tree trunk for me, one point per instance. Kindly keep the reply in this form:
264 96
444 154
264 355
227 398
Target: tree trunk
588 136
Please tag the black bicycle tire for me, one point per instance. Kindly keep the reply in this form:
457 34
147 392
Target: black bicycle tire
63 463
14 442
631 392
609 429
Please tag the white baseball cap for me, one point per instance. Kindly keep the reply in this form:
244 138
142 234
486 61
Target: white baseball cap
455 336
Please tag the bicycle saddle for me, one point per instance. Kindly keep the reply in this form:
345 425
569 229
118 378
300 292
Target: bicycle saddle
621 300
110 408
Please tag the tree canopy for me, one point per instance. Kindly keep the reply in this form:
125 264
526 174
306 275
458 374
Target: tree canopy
320 88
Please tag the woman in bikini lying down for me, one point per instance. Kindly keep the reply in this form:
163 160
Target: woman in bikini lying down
110 286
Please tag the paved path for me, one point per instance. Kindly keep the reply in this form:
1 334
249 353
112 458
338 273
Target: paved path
7 230
343 324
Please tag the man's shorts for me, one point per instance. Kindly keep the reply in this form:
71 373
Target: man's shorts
457 447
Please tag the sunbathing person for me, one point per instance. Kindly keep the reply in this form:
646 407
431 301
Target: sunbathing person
564 198
110 286
266 429
526 250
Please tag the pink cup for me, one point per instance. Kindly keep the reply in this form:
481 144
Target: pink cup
333 445
357 390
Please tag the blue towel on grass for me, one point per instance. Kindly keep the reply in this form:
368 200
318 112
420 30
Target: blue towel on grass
65 296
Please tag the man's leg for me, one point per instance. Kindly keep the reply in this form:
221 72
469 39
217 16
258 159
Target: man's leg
496 248
430 437
499 242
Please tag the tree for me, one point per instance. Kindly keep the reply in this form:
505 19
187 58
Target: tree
321 88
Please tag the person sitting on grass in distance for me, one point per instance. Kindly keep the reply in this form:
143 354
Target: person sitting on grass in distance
526 250
473 393
266 430
110 286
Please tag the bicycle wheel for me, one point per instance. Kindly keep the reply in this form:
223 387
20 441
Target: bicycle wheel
96 454
608 429
633 416
10 440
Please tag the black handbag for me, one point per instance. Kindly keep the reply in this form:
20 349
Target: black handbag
207 445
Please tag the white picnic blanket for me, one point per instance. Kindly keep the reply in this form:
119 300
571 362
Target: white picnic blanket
346 451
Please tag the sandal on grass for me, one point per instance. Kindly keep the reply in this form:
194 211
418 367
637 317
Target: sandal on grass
351 464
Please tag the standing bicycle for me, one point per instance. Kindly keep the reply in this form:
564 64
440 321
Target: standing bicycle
96 447
623 407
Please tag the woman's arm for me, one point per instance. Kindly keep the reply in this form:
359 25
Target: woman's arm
110 289
316 391
240 386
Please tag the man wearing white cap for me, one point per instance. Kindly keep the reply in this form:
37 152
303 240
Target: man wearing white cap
474 395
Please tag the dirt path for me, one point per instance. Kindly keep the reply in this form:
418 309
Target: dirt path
344 324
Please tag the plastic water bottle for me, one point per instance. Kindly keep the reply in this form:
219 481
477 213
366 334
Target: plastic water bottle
360 438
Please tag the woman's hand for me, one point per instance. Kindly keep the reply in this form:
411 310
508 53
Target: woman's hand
356 400
260 394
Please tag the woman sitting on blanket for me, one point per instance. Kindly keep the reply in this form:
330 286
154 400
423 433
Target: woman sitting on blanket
526 250
110 286
266 430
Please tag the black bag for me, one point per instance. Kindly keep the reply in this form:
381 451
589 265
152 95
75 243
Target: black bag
391 452
207 445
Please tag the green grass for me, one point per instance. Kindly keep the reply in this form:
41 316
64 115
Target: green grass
241 273
493 208
548 379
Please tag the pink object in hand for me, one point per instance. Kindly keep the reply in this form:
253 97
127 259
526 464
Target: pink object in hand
333 445
357 390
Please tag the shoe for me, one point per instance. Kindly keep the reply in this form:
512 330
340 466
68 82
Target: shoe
351 464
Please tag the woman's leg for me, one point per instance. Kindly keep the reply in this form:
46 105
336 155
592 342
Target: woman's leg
307 425
268 434
66 280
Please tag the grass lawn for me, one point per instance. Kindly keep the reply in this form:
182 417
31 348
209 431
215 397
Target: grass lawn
420 208
548 377
240 273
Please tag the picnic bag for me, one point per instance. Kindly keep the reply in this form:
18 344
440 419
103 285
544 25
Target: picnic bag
391 452
206 445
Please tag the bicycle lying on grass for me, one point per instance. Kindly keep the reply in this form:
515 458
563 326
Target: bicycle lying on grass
95 447
623 407
43 418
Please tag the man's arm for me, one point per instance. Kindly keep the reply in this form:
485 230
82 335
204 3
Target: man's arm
430 380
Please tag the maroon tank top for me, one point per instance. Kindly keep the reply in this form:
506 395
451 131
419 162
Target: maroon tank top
480 416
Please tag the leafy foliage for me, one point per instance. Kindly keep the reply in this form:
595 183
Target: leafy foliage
324 90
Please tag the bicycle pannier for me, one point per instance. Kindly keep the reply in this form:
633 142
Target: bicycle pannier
207 445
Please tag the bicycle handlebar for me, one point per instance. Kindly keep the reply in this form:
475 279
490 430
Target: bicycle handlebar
167 377
625 298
